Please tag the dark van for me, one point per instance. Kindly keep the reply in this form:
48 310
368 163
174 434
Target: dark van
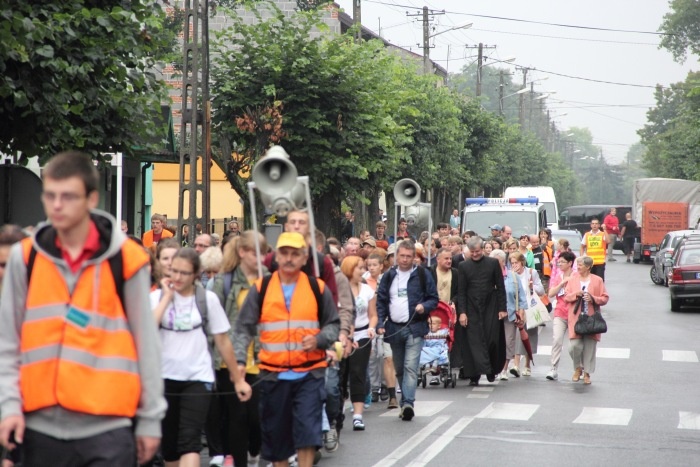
579 217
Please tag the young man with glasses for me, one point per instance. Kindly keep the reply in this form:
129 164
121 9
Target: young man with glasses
75 306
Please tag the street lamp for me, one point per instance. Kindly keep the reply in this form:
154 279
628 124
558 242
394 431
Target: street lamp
500 100
480 65
426 42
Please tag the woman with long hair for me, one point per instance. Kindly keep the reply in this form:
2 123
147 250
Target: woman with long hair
353 268
187 366
557 288
164 253
234 426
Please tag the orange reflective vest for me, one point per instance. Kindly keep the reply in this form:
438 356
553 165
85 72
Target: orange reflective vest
596 246
77 350
547 255
282 330
147 238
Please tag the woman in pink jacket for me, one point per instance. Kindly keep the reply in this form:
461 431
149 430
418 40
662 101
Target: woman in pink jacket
592 289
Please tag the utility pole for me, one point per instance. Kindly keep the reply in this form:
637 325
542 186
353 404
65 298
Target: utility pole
521 113
425 15
480 63
500 92
357 19
195 129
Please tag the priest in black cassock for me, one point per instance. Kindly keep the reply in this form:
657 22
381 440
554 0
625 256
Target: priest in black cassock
481 306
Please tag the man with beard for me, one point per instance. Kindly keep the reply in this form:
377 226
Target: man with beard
481 305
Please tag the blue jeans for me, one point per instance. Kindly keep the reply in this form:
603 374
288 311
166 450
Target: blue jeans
333 400
406 350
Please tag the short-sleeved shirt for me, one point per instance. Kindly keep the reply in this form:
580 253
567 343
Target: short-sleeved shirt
185 350
362 309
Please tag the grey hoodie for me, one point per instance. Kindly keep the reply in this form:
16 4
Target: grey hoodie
56 421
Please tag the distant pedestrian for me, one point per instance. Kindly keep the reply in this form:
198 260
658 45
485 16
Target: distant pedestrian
455 220
594 244
157 232
629 233
611 225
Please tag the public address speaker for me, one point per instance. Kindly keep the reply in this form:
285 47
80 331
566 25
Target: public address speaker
275 174
407 192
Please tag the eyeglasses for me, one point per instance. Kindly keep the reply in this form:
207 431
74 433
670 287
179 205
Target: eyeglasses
201 245
174 272
67 198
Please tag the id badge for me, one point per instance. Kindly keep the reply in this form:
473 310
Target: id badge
77 317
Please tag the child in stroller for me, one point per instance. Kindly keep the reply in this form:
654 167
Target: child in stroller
435 355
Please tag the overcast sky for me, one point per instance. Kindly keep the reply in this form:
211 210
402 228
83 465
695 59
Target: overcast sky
613 113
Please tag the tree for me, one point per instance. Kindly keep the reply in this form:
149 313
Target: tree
682 28
77 72
336 95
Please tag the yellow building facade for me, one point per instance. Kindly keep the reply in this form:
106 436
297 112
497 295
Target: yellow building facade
225 202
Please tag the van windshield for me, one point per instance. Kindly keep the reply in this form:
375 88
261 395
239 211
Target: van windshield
521 222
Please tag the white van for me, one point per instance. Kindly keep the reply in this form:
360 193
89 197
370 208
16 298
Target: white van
522 215
545 194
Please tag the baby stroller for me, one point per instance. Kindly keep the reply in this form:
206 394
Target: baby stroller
435 364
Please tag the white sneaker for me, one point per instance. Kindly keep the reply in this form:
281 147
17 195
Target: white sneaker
552 375
526 371
216 461
515 371
503 376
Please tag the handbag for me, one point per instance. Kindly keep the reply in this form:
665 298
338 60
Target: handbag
536 314
587 325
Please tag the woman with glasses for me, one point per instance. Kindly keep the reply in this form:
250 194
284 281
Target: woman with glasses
557 288
186 362
590 289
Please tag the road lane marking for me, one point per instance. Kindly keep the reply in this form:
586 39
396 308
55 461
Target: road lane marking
442 442
680 356
412 442
508 411
604 416
689 420
422 409
483 389
478 396
612 352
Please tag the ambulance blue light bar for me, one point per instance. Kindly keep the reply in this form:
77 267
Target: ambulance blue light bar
494 201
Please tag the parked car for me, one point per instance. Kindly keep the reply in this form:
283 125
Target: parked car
684 281
573 236
660 267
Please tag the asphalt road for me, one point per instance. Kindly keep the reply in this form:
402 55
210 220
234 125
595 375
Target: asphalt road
642 408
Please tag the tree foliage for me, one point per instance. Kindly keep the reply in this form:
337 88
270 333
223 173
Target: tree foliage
682 28
76 73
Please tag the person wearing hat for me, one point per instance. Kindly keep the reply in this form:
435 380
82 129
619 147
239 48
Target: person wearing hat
297 319
496 230
369 245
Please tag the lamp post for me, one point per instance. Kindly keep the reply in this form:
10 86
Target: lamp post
480 65
500 100
426 42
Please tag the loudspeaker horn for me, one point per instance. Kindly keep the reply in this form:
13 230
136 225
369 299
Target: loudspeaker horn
407 192
283 203
274 174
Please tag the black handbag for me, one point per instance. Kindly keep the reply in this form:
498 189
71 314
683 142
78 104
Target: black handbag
589 324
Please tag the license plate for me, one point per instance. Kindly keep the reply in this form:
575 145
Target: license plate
697 275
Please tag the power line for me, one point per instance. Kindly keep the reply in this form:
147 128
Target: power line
503 18
598 80
565 38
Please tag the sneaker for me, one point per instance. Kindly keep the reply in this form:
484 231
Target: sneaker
503 376
330 440
435 381
398 389
526 371
552 375
612 259
393 403
629 260
368 401
358 424
375 395
217 461
490 378
253 460
515 371
383 394
407 413
317 457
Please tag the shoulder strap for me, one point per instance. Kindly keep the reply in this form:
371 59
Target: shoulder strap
200 299
263 290
515 284
421 278
228 279
30 264
317 293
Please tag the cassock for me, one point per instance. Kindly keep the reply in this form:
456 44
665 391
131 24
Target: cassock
481 295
